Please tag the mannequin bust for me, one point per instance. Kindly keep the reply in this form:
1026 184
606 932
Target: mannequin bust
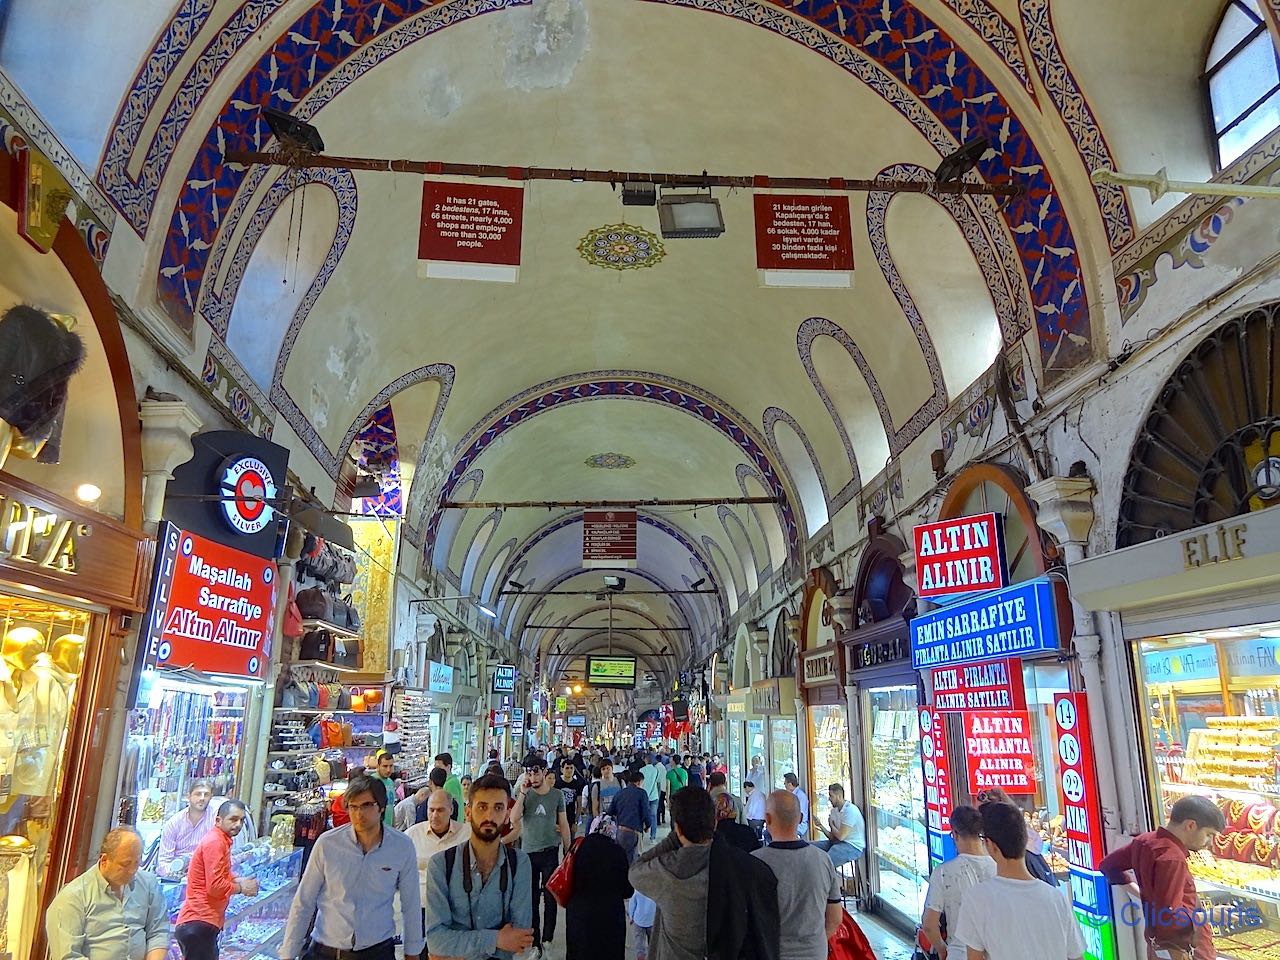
67 653
20 648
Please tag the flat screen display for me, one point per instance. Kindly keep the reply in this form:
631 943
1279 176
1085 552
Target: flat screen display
577 719
619 672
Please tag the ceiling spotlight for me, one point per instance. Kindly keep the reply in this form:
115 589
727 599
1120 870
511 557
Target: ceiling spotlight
577 688
516 585
689 216
88 493
697 583
615 583
956 165
639 194
366 486
292 132
488 612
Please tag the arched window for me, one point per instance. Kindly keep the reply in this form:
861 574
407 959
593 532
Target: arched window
1242 74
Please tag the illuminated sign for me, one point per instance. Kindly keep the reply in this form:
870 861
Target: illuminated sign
991 685
1015 621
608 671
964 555
937 784
998 751
504 678
577 719
562 704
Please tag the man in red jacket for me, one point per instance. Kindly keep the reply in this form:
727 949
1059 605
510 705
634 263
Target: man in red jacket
1158 860
210 886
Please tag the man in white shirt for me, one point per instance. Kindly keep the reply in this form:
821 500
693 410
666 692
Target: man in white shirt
792 783
1014 916
846 830
438 832
755 807
949 881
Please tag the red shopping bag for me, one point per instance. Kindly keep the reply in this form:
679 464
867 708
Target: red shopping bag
849 942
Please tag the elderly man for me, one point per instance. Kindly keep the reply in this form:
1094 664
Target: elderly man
438 832
112 911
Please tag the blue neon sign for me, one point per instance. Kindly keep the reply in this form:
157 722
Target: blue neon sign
1012 622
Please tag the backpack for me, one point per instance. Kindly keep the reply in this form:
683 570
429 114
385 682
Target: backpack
509 864
584 805
1039 868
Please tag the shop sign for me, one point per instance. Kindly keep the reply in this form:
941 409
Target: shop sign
736 708
562 704
998 751
439 677
766 698
1254 658
211 607
821 667
577 719
990 685
504 678
609 538
803 232
1220 544
247 488
470 223
1198 662
44 199
1015 621
499 719
48 543
937 783
517 721
963 555
875 653
1082 821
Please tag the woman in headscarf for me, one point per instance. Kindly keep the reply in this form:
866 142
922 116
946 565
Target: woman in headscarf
596 923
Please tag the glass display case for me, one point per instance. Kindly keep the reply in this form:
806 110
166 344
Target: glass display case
895 799
735 760
782 750
829 748
254 925
757 746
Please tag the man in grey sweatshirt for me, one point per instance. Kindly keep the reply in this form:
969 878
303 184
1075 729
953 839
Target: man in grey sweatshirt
674 874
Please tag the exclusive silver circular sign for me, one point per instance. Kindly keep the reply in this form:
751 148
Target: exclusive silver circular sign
247 486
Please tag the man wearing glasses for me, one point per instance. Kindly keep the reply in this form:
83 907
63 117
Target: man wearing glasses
348 888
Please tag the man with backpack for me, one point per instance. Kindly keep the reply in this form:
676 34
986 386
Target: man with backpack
479 894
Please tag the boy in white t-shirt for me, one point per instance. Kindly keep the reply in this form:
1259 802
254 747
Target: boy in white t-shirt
950 880
1014 916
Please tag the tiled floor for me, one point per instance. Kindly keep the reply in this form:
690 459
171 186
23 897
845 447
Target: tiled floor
887 943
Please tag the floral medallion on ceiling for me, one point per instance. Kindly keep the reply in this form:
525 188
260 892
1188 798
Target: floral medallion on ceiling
621 246
610 461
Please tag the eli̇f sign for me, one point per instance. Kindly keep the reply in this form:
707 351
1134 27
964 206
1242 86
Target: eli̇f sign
964 555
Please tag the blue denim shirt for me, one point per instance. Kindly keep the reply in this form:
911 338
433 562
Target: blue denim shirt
449 915
631 809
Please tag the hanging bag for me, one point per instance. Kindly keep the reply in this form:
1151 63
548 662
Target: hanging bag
560 883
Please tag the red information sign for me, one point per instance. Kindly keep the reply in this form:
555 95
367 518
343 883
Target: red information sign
470 223
608 538
998 751
990 685
964 555
1078 781
937 770
211 607
803 232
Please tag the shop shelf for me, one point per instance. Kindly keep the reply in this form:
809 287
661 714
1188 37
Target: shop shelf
1273 794
333 628
899 817
1203 884
317 710
910 869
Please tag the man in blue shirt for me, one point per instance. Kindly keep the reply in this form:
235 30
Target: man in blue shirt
345 896
651 777
630 808
480 900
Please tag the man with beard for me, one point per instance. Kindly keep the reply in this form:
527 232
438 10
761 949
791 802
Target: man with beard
210 886
347 891
480 893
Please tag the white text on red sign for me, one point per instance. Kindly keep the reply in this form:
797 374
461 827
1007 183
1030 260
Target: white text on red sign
964 555
990 685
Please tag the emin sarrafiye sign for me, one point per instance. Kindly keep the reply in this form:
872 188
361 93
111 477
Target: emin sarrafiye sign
1012 622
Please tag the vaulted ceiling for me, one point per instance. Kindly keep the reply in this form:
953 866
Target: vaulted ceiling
685 378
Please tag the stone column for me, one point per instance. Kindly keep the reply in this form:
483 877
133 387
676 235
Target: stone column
167 426
1065 511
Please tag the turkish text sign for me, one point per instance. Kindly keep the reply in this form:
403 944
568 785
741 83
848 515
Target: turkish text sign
803 232
1015 621
964 555
608 538
990 685
998 751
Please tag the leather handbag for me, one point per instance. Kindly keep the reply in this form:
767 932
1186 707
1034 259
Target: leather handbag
349 653
560 883
317 645
292 628
315 604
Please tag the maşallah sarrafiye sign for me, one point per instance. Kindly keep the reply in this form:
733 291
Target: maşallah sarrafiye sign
964 555
803 232
211 606
609 538
470 223
998 751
